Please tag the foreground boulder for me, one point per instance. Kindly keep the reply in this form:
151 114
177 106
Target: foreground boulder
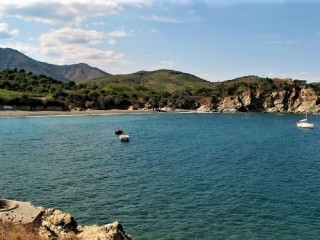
54 224
106 232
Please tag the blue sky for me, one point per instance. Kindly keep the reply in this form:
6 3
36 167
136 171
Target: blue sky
216 40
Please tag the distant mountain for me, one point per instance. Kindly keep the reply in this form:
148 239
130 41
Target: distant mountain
10 58
161 80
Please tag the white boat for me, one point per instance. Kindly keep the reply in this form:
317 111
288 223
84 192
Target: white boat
124 137
303 123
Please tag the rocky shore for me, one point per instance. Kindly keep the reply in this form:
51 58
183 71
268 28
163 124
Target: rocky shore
294 100
53 224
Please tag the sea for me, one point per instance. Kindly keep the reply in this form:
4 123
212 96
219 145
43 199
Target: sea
180 177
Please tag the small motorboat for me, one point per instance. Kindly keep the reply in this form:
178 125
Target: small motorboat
118 132
124 137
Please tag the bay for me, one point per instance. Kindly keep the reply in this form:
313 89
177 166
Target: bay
181 176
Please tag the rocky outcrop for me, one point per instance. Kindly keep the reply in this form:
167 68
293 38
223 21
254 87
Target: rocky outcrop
112 231
53 224
295 100
57 224
291 100
307 101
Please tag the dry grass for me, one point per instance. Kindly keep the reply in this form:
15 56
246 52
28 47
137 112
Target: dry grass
205 101
10 231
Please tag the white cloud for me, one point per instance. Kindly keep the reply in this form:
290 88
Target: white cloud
117 34
100 23
163 19
69 45
55 12
6 33
64 11
135 3
112 41
74 36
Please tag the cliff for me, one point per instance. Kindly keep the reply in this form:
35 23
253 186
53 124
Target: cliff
295 100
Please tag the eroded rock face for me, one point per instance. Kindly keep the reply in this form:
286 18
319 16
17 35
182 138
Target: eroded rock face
307 101
229 104
53 224
296 100
57 224
112 231
204 108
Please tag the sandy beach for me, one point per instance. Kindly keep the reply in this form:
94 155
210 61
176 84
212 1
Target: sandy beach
18 113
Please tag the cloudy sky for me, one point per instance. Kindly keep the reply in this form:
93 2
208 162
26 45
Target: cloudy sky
213 39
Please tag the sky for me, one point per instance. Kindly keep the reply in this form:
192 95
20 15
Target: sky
213 39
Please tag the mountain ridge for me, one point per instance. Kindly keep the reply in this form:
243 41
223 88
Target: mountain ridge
161 79
12 58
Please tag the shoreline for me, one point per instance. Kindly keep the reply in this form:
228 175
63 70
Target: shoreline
21 113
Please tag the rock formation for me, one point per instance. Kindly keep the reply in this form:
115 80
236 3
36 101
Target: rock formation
54 224
295 100
292 100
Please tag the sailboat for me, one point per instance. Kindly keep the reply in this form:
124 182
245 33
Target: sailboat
303 123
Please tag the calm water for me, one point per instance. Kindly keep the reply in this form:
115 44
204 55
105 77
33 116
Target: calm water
182 176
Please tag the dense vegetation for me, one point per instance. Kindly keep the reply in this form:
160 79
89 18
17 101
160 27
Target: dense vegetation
160 80
20 88
143 89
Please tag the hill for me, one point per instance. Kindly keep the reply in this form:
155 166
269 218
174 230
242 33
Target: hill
159 80
162 89
11 59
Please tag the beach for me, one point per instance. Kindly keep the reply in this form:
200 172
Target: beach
19 113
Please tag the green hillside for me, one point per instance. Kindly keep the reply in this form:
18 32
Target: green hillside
156 89
160 80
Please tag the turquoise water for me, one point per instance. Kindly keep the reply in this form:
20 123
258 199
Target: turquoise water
181 176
